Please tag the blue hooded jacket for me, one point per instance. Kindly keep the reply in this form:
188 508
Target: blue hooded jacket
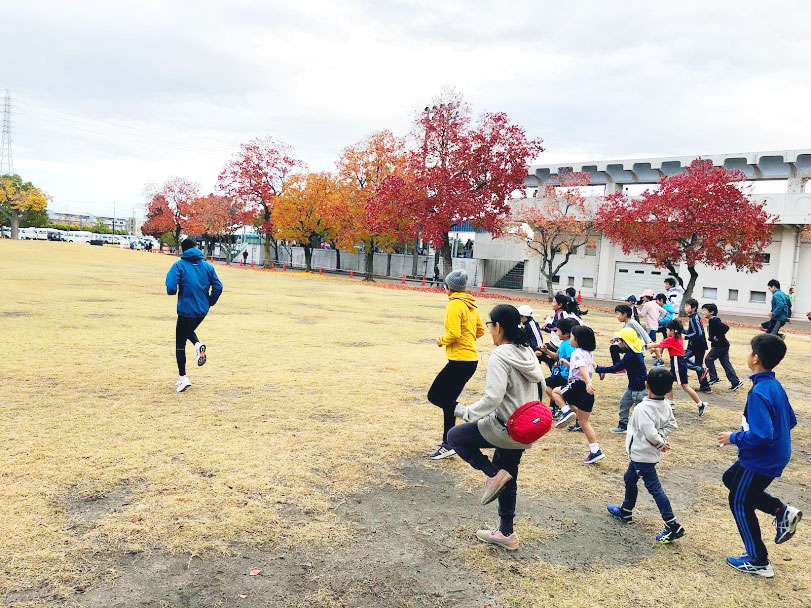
196 283
764 441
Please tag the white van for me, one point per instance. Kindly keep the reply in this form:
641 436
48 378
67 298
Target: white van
78 236
27 234
42 233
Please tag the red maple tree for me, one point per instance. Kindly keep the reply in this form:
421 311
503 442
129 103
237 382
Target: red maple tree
702 215
169 209
257 175
559 221
466 173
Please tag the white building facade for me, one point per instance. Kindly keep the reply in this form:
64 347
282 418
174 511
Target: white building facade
601 270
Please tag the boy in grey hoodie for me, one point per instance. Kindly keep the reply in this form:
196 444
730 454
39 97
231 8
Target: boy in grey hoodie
651 423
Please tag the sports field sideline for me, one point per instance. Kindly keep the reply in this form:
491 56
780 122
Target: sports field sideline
299 452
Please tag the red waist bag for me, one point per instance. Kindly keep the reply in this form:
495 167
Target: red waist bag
529 422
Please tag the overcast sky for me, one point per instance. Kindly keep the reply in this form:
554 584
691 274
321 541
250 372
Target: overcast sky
110 96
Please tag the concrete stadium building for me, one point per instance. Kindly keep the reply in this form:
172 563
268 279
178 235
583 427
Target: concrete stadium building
601 270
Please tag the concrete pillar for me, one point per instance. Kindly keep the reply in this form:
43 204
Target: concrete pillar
604 288
785 263
796 184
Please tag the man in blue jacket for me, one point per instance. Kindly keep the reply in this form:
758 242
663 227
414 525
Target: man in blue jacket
197 287
764 449
781 307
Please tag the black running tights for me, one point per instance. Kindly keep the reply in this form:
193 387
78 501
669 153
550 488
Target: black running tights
185 331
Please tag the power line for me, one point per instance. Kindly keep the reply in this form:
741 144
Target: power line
6 159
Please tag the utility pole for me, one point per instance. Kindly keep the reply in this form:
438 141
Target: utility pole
114 220
6 160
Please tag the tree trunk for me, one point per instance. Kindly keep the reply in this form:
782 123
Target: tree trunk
447 258
266 261
388 264
688 291
276 250
416 259
15 224
176 239
370 262
308 258
337 257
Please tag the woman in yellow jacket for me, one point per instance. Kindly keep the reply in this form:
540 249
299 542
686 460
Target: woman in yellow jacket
463 326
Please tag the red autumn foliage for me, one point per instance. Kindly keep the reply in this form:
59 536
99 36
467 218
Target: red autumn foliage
169 209
463 172
699 216
257 175
217 218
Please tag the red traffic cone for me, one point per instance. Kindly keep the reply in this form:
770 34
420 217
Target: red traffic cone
403 280
482 287
240 262
273 265
320 270
423 280
251 263
579 297
350 274
211 259
285 268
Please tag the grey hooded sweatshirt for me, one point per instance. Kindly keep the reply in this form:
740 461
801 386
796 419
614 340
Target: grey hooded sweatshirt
513 374
651 423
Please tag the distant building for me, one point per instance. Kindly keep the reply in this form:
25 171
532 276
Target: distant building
132 225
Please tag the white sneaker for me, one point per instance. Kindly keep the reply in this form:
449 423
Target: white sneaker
182 384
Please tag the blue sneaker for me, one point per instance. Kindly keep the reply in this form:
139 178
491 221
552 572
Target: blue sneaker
786 523
745 564
658 363
594 457
621 514
702 407
673 531
565 415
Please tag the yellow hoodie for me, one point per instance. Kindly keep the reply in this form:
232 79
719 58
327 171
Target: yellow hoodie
463 326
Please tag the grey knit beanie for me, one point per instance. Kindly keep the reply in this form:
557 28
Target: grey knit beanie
456 280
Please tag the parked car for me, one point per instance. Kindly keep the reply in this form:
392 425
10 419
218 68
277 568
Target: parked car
26 234
78 236
5 231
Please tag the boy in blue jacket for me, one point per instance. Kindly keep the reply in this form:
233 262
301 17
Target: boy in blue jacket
197 287
764 449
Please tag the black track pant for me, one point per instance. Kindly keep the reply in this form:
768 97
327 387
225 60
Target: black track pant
446 389
747 492
185 331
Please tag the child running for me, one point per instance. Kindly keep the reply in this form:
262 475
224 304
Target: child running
650 313
661 300
463 326
532 327
544 351
764 449
560 372
577 397
696 344
625 316
674 346
512 375
651 424
719 349
633 363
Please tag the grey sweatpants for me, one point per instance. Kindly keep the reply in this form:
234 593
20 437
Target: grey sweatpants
629 398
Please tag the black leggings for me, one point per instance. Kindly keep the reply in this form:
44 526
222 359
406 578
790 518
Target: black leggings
184 330
468 441
447 387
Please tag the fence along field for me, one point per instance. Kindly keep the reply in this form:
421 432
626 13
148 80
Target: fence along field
303 439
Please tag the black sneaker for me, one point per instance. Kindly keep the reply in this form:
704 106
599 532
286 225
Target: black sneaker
670 533
574 428
716 381
737 386
620 428
704 389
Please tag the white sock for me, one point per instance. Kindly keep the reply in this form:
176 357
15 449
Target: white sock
594 447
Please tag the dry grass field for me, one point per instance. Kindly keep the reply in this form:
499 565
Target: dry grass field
298 452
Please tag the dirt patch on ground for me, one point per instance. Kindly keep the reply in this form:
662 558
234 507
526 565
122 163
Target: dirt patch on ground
84 512
16 313
100 316
405 553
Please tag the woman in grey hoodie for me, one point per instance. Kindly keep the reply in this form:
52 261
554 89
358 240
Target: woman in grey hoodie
513 375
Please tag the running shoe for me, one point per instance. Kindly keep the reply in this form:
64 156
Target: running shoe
495 485
565 415
201 354
602 375
702 406
669 534
786 523
594 457
182 384
443 451
495 537
658 363
705 389
621 514
746 565
737 386
620 428
574 428
716 381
